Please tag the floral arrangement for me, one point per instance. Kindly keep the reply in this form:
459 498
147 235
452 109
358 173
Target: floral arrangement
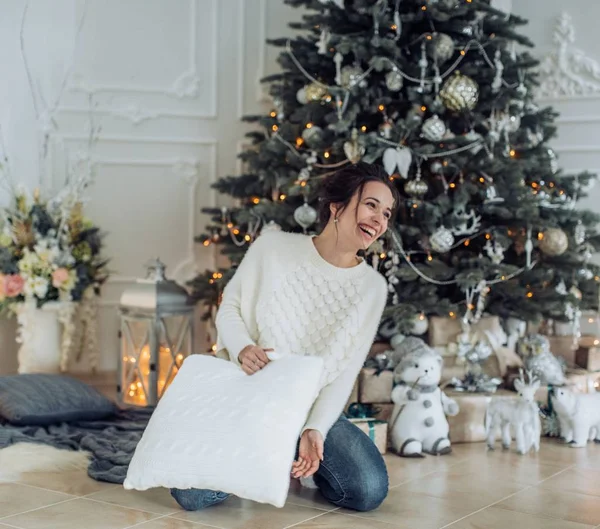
48 252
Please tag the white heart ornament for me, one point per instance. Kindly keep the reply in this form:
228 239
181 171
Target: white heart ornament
400 158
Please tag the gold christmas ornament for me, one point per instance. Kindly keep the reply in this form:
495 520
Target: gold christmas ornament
416 188
554 242
314 92
460 93
353 150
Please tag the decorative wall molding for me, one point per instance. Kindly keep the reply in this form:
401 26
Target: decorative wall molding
567 71
185 86
186 168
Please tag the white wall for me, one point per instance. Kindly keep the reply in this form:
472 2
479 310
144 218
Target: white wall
578 141
169 81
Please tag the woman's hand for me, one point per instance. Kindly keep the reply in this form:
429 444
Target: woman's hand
253 358
310 454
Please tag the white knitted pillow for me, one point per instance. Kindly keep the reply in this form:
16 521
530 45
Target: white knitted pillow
218 428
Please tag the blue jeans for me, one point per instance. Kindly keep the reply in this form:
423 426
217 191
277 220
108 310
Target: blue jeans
352 474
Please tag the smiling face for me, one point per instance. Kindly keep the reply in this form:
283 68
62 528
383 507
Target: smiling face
366 217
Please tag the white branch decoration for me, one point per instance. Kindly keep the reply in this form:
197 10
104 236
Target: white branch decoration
567 71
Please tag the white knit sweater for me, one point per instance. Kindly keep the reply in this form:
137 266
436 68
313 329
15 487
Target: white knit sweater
285 296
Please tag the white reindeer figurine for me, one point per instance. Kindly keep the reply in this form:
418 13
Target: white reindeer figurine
522 414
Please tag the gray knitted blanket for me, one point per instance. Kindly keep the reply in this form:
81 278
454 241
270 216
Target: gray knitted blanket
111 441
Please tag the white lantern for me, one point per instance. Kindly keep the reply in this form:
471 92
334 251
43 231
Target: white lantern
156 336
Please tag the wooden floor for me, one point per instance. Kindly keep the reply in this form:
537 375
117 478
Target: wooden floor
559 488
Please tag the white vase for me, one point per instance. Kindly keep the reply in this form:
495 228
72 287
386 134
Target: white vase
40 334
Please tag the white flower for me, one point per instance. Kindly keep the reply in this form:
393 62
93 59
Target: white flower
29 262
47 251
36 286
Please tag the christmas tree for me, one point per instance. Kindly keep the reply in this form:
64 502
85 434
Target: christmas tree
442 93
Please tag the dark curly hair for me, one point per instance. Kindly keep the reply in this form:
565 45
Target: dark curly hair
339 188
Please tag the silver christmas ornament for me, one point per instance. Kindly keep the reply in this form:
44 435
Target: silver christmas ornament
394 81
311 133
420 324
351 75
441 240
301 96
546 367
433 129
554 242
305 216
416 188
440 48
436 167
460 93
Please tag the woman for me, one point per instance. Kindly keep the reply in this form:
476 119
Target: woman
314 296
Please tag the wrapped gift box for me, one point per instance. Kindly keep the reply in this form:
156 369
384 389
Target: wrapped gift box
376 429
375 388
443 331
469 425
587 355
563 347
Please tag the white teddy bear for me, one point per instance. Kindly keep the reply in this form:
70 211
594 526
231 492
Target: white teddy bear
419 419
578 416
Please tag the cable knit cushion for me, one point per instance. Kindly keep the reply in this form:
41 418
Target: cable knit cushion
39 400
220 429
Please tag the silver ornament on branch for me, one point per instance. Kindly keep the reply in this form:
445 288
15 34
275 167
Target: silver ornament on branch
436 167
433 129
460 93
554 242
394 81
311 133
305 216
416 188
440 48
351 76
441 240
420 324
301 96
353 150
